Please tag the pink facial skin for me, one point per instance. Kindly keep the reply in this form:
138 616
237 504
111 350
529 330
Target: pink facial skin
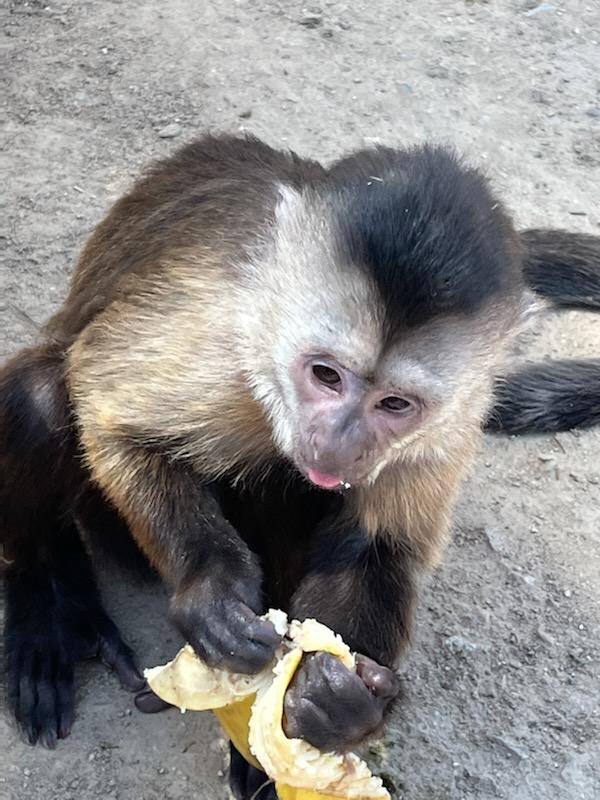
347 422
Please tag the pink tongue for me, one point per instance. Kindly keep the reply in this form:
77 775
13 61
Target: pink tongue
323 480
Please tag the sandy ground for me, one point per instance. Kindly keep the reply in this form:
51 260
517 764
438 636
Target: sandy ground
503 682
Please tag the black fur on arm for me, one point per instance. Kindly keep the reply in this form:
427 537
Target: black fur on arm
548 397
563 267
361 587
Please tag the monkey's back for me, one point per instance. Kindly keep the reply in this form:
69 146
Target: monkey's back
214 194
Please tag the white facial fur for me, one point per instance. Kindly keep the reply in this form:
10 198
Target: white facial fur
309 302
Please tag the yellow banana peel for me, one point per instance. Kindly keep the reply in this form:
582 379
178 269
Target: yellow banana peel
250 711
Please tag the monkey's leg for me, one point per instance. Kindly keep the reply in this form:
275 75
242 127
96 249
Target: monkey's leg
53 611
54 619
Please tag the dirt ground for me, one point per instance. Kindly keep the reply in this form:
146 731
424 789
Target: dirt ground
503 683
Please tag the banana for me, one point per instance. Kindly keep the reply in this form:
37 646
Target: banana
250 710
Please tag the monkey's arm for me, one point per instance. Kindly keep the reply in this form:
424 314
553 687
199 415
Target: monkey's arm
151 406
363 588
362 583
177 520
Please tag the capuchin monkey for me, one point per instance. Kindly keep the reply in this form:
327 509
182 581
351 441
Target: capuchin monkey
274 376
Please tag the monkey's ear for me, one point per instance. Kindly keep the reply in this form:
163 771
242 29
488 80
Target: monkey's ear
530 306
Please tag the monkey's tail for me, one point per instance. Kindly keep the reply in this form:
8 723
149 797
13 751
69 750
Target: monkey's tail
552 396
548 397
563 267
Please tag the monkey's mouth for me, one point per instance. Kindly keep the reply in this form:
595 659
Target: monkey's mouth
325 481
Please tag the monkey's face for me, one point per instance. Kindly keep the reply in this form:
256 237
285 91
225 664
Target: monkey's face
345 397
347 422
351 413
383 307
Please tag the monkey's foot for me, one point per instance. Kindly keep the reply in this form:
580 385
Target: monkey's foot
247 782
50 626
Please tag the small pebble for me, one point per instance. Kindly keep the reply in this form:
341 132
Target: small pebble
170 131
496 540
543 7
460 645
544 636
437 72
511 747
311 21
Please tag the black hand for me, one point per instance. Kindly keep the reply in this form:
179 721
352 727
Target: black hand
332 707
220 623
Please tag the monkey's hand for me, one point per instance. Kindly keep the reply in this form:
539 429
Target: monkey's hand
331 707
219 619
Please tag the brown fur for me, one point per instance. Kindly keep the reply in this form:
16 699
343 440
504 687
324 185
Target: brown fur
161 389
157 397
414 502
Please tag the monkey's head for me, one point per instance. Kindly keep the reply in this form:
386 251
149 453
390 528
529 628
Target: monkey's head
393 288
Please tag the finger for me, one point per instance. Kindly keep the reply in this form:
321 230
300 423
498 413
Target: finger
12 679
46 714
352 709
344 686
149 703
380 681
27 700
118 657
310 722
65 699
247 594
299 681
242 619
204 649
225 638
225 652
264 632
236 653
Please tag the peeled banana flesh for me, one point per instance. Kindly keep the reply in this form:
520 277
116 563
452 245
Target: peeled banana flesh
250 710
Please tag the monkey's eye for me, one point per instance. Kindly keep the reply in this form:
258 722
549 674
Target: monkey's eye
397 405
327 376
